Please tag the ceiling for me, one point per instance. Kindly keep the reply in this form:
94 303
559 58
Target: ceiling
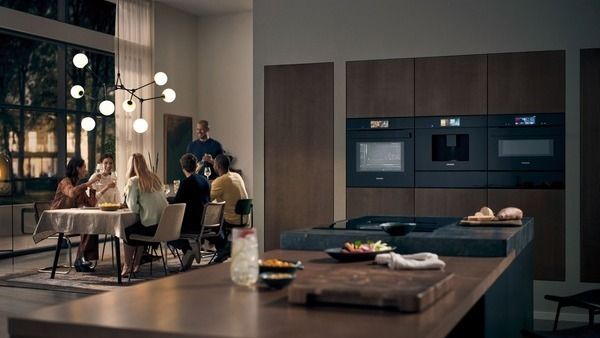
210 7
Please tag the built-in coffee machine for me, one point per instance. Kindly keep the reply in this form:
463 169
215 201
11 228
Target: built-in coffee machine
450 152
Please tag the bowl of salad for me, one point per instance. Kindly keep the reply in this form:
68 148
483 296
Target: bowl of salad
358 251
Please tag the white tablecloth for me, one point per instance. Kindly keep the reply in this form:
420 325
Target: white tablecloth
83 221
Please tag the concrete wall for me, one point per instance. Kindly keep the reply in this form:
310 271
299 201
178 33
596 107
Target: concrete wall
302 31
224 88
175 53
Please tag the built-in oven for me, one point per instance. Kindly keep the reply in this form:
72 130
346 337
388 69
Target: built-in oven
450 152
526 150
380 152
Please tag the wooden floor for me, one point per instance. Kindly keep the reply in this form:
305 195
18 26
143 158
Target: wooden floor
17 300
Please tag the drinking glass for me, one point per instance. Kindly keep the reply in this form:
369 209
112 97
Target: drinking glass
175 186
166 189
244 257
207 172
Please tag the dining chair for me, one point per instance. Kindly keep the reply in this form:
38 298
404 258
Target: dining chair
210 227
588 300
39 208
243 207
168 229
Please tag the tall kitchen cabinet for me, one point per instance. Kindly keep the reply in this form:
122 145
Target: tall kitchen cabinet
532 83
529 82
380 89
547 207
590 164
450 86
298 143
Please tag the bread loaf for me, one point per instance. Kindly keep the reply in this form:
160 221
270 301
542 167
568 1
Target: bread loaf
510 213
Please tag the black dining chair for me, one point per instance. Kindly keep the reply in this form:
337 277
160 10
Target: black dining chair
589 300
39 208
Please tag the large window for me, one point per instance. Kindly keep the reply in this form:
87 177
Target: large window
40 123
98 15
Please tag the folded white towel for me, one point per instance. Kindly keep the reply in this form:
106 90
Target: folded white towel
418 261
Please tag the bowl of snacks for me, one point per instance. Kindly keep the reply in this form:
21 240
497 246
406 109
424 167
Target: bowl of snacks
358 251
279 265
277 280
398 228
109 206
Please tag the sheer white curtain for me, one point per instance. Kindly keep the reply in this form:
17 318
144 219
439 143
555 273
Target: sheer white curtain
134 61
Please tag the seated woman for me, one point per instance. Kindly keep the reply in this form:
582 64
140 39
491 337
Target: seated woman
144 195
107 191
70 195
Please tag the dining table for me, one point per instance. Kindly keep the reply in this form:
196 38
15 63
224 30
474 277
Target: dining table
85 220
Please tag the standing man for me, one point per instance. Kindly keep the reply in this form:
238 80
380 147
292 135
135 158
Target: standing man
205 148
230 188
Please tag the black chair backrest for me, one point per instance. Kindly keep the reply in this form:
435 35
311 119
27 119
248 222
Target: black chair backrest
39 207
243 207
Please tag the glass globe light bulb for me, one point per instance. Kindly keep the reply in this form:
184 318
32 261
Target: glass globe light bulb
140 126
160 78
168 95
107 107
88 123
77 91
80 60
129 106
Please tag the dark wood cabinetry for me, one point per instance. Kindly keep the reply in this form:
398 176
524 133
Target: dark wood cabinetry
380 88
449 202
590 164
547 207
379 201
451 85
298 151
530 82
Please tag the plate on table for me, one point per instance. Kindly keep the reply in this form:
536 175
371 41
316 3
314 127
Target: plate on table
344 256
279 265
90 208
113 207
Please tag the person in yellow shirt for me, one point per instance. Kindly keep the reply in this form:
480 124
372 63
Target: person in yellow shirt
228 187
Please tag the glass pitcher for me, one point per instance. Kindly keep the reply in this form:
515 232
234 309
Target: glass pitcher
244 257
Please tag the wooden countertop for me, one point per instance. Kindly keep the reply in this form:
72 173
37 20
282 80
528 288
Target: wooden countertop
205 303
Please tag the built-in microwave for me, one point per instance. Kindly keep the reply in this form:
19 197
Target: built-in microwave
526 150
380 152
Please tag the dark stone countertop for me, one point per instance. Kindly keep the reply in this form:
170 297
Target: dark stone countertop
450 240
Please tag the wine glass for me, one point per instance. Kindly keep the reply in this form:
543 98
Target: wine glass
207 172
166 189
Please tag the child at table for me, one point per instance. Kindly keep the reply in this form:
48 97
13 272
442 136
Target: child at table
70 195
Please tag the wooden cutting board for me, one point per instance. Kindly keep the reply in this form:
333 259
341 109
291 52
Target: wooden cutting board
378 286
508 223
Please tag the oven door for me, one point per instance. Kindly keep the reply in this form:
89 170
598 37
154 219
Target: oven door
526 148
450 149
380 158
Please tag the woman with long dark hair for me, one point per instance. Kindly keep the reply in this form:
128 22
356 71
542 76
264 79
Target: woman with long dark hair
71 195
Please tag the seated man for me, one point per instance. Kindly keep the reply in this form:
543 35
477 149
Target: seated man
228 187
194 191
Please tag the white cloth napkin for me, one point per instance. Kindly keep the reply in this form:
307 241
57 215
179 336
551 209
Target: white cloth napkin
418 261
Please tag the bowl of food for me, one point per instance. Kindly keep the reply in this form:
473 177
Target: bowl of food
279 265
109 206
277 280
358 251
398 228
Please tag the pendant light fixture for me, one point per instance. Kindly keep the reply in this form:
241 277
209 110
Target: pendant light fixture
107 107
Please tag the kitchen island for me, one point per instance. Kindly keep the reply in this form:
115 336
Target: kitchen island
204 303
